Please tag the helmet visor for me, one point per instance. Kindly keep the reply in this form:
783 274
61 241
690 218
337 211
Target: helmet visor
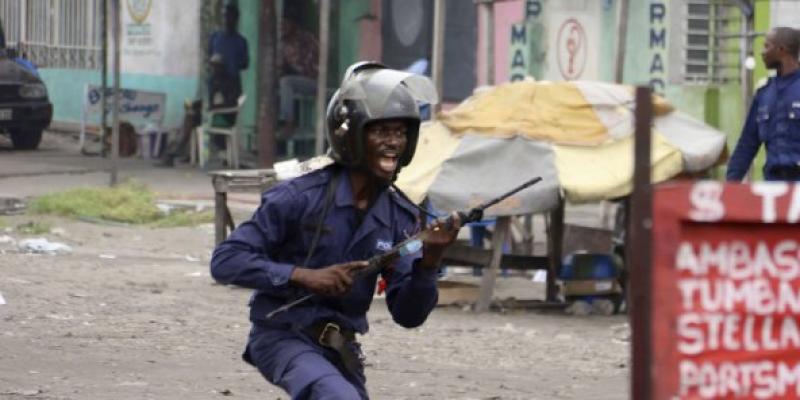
374 87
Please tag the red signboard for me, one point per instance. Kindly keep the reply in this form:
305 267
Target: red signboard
726 291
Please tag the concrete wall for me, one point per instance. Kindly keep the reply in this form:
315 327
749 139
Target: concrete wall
720 106
154 58
66 88
524 34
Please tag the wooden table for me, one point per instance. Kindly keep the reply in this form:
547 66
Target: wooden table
225 181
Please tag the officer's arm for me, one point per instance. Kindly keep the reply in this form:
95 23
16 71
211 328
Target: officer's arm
746 148
411 292
243 259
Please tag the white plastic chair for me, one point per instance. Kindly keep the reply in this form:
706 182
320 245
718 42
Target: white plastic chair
231 133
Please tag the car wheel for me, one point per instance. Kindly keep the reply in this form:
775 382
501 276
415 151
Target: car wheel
25 139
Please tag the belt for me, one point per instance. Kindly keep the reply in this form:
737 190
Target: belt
331 335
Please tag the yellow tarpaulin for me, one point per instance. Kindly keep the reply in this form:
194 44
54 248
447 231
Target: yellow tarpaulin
557 112
606 171
546 111
435 145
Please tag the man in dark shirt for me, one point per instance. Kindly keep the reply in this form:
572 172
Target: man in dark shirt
227 50
232 48
312 234
222 93
774 117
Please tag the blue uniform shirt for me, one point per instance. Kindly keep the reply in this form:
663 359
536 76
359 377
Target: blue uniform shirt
774 120
233 49
262 253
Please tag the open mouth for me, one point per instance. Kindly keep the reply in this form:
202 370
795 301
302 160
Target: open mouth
388 162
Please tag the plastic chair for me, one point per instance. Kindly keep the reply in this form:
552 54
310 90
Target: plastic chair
231 133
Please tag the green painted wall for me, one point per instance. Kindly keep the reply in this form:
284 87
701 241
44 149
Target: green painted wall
720 106
248 27
348 34
636 44
762 24
66 88
608 43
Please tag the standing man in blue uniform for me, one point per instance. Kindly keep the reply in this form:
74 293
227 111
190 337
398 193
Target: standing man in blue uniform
312 233
774 117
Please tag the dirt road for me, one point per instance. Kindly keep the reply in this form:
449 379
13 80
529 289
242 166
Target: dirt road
131 313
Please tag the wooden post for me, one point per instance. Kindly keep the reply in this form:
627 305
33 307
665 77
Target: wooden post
747 51
103 76
622 34
555 249
322 73
116 31
267 83
220 206
488 38
490 274
439 7
639 248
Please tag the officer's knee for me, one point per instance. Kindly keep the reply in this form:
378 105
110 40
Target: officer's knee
333 387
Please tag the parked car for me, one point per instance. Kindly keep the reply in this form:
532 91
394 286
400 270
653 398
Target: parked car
25 110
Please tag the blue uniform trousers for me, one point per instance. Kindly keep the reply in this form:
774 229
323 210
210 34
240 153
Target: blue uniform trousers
301 367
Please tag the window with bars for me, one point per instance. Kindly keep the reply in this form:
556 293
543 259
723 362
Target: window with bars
54 33
710 50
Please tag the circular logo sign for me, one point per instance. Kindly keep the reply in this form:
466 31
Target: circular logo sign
407 17
139 9
571 49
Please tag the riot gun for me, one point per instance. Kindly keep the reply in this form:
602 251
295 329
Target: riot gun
414 244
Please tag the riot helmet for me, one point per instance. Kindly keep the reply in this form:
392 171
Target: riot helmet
372 92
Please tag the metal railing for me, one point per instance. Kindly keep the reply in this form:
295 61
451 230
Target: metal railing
54 33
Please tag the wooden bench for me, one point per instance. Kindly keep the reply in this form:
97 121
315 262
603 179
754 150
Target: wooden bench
226 181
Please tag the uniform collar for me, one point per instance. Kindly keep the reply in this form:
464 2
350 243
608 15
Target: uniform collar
344 193
344 198
789 77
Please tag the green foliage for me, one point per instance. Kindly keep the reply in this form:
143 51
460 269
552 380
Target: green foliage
130 203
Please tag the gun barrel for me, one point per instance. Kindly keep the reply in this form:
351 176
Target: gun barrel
509 193
414 244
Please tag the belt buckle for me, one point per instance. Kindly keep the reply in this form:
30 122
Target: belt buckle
328 326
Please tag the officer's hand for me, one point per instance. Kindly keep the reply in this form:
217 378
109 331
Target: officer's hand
439 236
334 280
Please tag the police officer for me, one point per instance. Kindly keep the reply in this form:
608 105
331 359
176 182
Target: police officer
312 233
774 117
